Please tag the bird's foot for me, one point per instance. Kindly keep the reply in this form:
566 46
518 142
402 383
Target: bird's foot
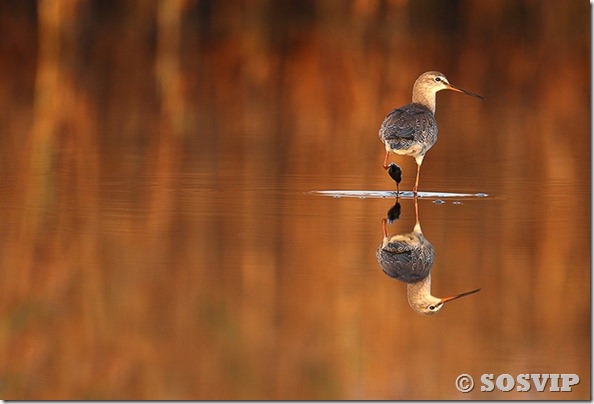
395 172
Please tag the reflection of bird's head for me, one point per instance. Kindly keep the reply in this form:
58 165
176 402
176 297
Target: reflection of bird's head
427 305
421 300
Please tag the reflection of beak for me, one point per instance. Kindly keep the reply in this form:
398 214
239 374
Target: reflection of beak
454 88
447 299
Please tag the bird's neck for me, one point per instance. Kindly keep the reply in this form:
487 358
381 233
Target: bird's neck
424 98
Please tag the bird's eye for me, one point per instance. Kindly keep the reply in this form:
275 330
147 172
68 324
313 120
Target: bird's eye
431 307
438 78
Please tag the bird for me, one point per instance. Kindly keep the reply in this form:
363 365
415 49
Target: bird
409 258
411 130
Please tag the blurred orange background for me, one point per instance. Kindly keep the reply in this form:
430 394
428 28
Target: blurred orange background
156 241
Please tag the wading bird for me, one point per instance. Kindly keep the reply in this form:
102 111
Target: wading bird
411 130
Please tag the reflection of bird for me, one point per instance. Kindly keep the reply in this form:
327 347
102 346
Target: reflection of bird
408 258
412 129
394 212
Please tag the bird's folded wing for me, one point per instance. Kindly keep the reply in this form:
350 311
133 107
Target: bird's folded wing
397 131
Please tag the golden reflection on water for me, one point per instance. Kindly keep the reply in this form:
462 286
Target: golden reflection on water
159 242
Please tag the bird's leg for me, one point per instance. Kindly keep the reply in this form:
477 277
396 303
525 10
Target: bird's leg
386 166
416 201
417 180
384 229
419 160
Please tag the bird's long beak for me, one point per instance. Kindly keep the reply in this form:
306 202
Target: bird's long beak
448 299
458 89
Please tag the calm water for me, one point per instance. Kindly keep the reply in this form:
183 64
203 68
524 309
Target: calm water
162 241
217 284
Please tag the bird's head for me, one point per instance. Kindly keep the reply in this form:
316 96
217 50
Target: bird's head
432 82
